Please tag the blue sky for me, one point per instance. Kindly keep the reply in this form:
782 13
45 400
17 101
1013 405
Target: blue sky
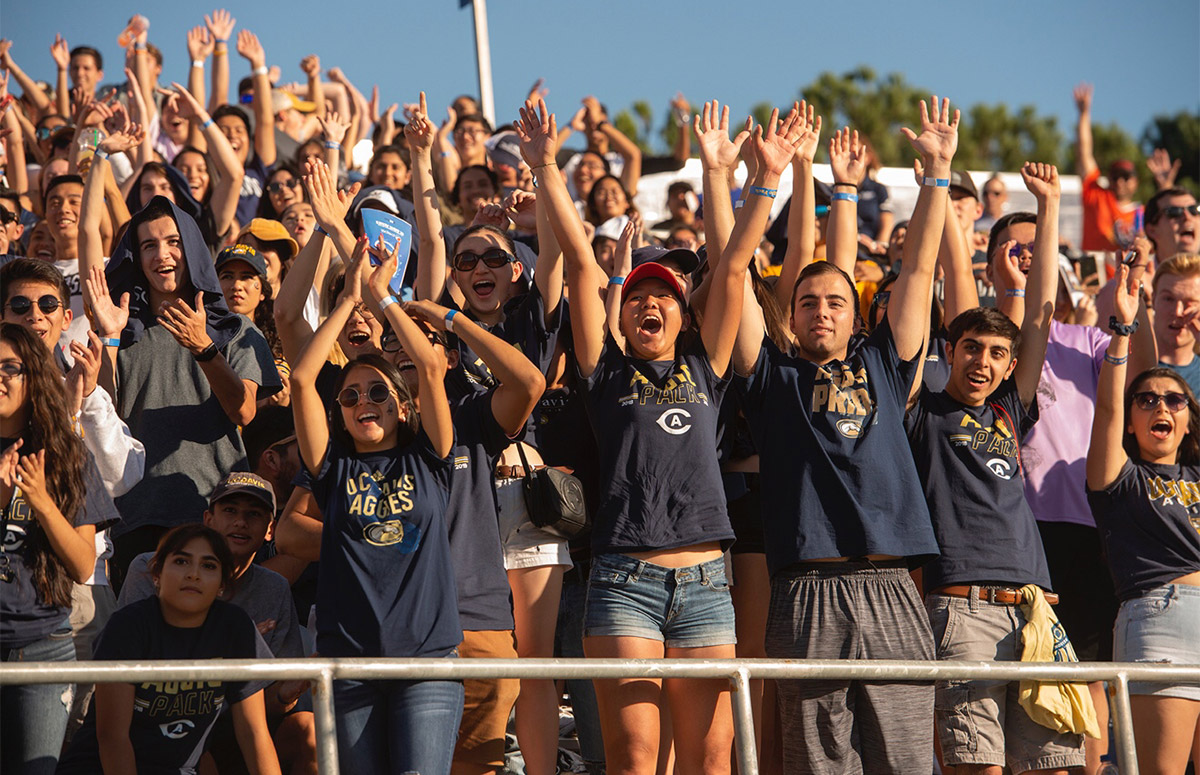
1014 52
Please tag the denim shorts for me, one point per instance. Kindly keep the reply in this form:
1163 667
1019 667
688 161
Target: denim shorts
682 607
1160 626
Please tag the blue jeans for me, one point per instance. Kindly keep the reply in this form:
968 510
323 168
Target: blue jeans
35 715
397 726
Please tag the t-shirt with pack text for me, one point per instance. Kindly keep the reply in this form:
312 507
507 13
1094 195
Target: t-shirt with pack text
387 585
968 458
656 429
836 475
1149 523
171 719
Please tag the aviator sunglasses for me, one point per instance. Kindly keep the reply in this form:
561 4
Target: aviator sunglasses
1148 400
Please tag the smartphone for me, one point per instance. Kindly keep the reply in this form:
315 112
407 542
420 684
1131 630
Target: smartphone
1129 258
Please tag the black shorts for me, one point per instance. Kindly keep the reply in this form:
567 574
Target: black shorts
1079 574
745 514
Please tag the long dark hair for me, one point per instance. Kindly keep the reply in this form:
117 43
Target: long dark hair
49 429
337 427
592 215
1189 448
175 539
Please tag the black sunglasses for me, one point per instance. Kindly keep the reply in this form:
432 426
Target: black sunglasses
7 216
376 394
279 186
492 257
390 343
10 369
1148 400
22 304
1177 211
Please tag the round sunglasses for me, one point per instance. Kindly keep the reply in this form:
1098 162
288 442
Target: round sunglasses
378 393
48 304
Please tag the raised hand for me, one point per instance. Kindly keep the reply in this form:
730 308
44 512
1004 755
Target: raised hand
61 52
1085 312
334 127
32 472
630 236
1128 292
420 130
118 119
810 133
119 142
537 91
329 205
187 324
185 104
382 274
775 142
83 376
1163 169
108 318
939 133
579 121
8 463
5 53
220 24
594 114
428 312
1083 97
336 75
538 131
491 214
136 98
1006 267
521 207
354 273
711 126
250 48
200 43
847 157
311 66
1041 180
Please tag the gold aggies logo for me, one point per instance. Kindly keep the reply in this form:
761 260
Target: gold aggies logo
844 391
998 441
681 388
373 497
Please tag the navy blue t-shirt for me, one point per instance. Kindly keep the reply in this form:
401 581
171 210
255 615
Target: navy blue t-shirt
254 184
837 477
1149 522
484 599
656 430
968 458
387 584
171 719
524 327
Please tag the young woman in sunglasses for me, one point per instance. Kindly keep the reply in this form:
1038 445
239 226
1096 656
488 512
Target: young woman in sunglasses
1143 478
381 478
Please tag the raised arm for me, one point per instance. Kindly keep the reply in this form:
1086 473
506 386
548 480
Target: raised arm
681 111
14 145
334 127
220 26
1042 289
718 159
228 181
908 312
62 59
431 364
802 214
311 66
954 256
445 155
264 119
622 266
628 149
1106 455
29 87
548 277
1085 162
847 159
774 146
1163 169
200 46
538 131
431 249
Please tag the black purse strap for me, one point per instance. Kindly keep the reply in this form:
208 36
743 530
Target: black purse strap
525 463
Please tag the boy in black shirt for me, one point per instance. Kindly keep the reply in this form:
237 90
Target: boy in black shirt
965 441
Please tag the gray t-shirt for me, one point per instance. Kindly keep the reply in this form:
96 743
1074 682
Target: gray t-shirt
191 444
260 592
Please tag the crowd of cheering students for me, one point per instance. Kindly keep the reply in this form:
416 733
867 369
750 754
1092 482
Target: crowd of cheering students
225 436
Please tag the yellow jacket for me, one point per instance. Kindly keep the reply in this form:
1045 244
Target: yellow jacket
1064 707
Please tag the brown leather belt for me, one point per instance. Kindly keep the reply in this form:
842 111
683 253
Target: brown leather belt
510 472
993 595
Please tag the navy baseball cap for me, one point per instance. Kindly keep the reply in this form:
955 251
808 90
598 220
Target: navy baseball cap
687 260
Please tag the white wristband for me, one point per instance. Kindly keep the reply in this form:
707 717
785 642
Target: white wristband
387 301
198 63
262 70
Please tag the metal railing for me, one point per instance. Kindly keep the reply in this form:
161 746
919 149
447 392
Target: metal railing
323 672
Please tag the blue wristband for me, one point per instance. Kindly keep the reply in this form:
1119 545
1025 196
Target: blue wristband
387 301
318 230
845 197
1114 360
450 319
206 124
99 154
114 341
333 145
937 182
616 281
1018 292
762 191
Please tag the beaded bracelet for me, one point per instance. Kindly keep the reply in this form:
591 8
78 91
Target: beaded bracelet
1114 360
763 191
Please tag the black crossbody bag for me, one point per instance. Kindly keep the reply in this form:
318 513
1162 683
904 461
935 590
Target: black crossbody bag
554 500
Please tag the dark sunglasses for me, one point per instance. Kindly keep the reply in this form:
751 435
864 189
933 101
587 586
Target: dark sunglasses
1177 211
390 343
492 257
7 216
45 132
10 369
1018 248
376 394
279 186
22 304
1148 400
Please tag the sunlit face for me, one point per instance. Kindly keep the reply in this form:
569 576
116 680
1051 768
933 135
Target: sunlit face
1180 234
895 249
966 207
1176 307
371 425
14 409
475 189
283 188
84 72
311 151
52 123
1124 186
299 221
41 242
1158 430
389 169
161 250
361 333
62 211
587 172
195 169
979 362
683 238
823 317
486 289
994 196
11 231
651 318
465 106
606 253
174 125
244 521
242 287
190 579
469 137
609 199
235 132
47 326
152 184
1024 235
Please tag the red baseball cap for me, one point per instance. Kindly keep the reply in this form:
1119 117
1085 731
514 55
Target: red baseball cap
652 270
